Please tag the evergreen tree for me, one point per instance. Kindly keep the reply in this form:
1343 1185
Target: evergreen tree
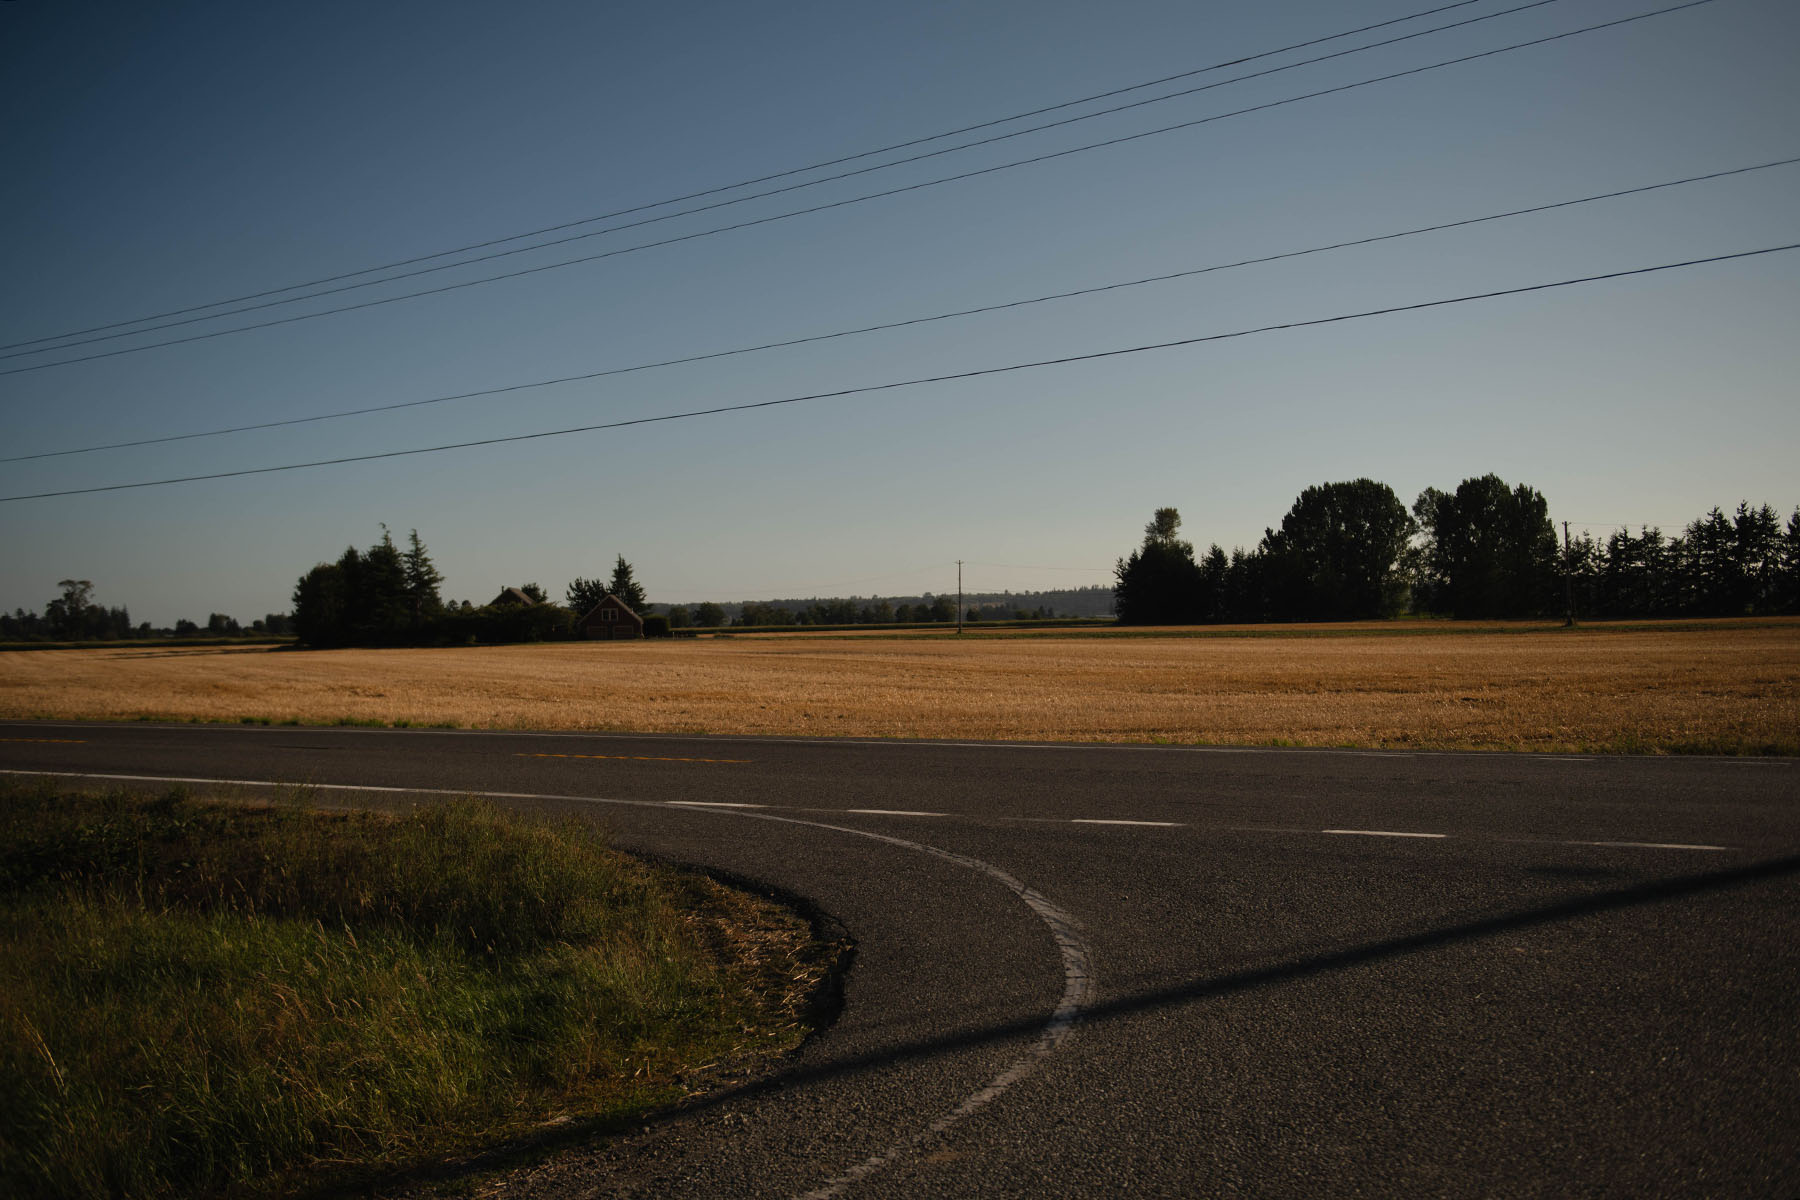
381 603
1787 595
422 580
626 588
1213 571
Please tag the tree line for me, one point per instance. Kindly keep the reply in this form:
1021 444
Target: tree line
905 610
386 596
1353 551
75 617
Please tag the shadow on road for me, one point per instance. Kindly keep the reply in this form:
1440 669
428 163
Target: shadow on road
1592 904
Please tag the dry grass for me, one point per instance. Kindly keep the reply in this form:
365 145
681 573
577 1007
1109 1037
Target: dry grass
1723 686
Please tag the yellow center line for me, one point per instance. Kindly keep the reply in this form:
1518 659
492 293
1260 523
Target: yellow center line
58 741
638 758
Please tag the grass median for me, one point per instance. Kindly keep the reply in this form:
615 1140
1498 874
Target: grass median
197 998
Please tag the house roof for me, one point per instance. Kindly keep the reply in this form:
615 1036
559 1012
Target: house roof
512 595
613 600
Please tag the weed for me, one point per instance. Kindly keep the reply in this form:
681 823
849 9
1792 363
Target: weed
197 998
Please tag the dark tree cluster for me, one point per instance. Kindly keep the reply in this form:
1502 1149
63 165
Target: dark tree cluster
374 597
1746 564
897 610
74 617
71 617
1342 553
385 596
584 594
842 611
1352 551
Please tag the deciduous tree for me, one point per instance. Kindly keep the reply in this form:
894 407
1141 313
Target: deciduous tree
1339 554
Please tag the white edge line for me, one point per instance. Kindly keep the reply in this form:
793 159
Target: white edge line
1105 821
1384 833
887 812
709 804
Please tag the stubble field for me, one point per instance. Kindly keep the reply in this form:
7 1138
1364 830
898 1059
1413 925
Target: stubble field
1722 687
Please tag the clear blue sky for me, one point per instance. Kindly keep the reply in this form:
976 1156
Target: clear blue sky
160 156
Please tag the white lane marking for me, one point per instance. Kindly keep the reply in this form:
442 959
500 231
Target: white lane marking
1077 982
1384 833
1103 821
1649 845
890 812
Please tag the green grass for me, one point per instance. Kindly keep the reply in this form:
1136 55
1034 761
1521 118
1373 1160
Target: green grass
197 998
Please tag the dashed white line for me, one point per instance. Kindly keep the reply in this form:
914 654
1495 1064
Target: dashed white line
1384 833
890 812
1651 845
1105 821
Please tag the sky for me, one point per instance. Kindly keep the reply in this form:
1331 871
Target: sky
167 156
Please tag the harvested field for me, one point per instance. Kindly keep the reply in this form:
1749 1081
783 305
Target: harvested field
1716 687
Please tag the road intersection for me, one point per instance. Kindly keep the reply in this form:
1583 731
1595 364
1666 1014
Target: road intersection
1091 970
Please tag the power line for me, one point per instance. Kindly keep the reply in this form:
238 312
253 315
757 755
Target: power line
793 187
903 383
958 313
746 224
713 191
1023 567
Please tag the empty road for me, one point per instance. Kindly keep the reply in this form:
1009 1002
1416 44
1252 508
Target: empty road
1092 970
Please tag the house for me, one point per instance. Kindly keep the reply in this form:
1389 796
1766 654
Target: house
511 598
610 619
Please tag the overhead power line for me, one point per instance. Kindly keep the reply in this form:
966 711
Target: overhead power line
911 321
784 174
792 187
905 383
1023 567
836 204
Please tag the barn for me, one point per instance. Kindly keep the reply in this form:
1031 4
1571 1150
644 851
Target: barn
611 619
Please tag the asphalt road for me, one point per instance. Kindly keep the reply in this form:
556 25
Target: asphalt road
1087 971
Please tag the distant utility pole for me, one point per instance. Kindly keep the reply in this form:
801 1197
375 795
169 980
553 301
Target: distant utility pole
1568 576
959 595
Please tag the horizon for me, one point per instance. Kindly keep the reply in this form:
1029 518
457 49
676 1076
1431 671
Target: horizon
174 157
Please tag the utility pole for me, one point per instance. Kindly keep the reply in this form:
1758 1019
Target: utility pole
959 609
1568 576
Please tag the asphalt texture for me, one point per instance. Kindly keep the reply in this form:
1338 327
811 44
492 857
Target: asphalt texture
1296 973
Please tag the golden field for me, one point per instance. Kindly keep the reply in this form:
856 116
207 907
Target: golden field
1728 687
